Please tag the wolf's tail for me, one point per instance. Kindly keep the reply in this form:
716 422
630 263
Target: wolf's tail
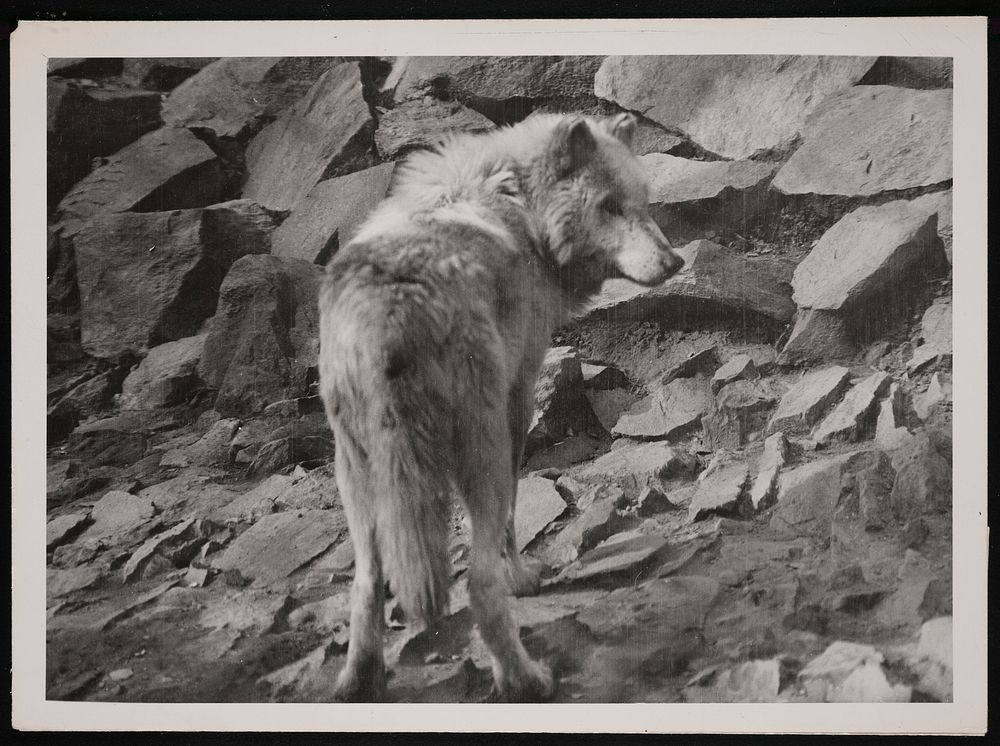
411 509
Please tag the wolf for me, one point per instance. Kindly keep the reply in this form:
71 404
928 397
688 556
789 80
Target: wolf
434 322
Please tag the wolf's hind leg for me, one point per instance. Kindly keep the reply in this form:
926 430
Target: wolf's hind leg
363 676
524 580
487 493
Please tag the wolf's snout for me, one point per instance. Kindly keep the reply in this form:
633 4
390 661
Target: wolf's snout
672 263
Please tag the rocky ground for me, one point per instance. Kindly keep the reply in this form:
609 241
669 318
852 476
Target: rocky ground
738 483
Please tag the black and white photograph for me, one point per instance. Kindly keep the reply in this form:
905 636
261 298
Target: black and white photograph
509 378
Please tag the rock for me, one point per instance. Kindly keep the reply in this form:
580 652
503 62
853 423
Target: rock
233 97
89 398
191 494
923 479
731 105
888 436
864 255
212 448
630 556
63 582
854 416
161 73
247 611
598 521
940 203
911 72
63 528
327 133
257 502
602 377
635 465
331 614
686 361
929 402
915 533
167 267
907 143
118 517
739 412
263 339
538 504
772 459
935 326
931 660
279 544
669 412
166 376
276 455
721 490
714 280
850 672
739 368
166 169
561 407
422 123
327 217
609 405
652 138
314 490
197 577
493 85
691 199
445 641
856 483
652 502
804 403
753 681
121 674
818 336
177 546
926 356
88 122
133 605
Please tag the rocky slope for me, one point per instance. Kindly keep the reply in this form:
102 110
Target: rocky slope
738 483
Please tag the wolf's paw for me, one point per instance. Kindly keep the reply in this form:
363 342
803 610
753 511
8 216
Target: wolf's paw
536 683
525 579
360 683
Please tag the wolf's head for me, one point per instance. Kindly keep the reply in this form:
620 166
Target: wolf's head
593 196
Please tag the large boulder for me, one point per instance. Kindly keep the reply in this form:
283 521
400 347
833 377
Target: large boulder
147 278
504 89
89 122
732 105
327 217
327 133
167 376
234 97
866 255
423 122
872 139
263 343
167 169
715 280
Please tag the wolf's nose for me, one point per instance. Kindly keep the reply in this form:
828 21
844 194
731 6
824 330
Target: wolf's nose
673 263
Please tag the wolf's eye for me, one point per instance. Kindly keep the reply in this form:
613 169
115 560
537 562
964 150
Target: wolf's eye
611 205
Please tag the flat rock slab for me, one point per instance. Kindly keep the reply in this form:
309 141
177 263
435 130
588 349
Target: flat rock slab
166 169
279 544
634 466
853 416
60 582
166 376
598 521
671 411
680 180
753 681
60 530
538 504
865 253
165 267
739 368
739 413
713 275
871 139
327 133
234 97
327 217
248 611
614 558
804 403
731 105
722 491
119 515
422 123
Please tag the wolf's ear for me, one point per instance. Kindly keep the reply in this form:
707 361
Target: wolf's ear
624 127
575 145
